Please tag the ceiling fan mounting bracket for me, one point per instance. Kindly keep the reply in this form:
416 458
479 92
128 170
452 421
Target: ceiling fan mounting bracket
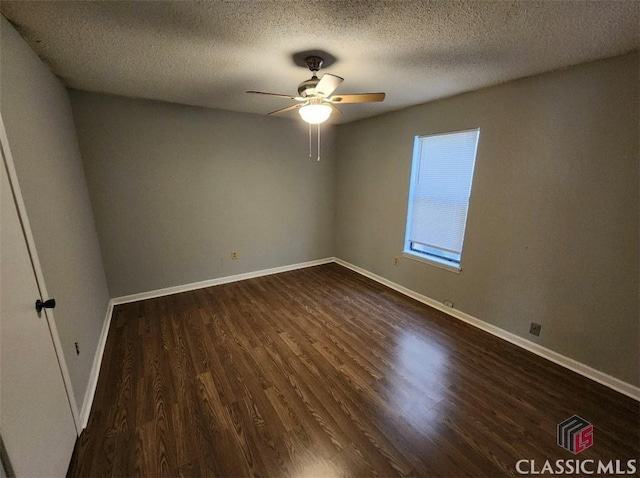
314 63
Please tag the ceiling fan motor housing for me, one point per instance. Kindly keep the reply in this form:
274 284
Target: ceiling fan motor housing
307 87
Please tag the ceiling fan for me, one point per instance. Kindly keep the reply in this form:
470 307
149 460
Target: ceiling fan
315 101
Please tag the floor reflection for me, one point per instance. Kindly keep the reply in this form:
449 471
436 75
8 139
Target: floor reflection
417 385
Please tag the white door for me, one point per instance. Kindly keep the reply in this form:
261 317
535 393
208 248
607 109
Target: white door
36 423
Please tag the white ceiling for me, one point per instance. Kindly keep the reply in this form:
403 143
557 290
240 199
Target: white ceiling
208 53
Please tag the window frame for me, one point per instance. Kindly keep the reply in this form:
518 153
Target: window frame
426 257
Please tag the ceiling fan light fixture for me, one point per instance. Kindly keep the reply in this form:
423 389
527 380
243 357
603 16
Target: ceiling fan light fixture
315 114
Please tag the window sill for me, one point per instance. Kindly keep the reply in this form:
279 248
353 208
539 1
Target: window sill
434 261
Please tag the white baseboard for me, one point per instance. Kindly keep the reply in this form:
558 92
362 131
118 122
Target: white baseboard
95 368
578 367
221 280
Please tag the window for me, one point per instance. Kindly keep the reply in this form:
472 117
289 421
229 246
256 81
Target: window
441 178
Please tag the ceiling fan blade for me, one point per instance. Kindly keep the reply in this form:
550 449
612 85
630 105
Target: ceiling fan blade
357 98
278 95
327 84
284 110
335 110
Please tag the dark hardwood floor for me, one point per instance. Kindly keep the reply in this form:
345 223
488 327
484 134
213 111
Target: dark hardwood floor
322 372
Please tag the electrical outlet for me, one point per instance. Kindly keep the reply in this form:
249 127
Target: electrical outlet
396 261
77 349
234 255
535 329
448 303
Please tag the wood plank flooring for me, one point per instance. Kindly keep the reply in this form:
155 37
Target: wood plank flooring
322 372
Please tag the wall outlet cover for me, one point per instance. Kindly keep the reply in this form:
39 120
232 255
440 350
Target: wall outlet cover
535 329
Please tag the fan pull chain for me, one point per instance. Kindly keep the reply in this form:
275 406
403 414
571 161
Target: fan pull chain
310 135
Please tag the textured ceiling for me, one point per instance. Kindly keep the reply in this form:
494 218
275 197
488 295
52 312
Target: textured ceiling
208 53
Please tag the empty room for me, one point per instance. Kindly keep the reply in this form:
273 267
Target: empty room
320 238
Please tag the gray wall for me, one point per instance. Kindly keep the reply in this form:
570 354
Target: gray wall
176 188
39 123
552 233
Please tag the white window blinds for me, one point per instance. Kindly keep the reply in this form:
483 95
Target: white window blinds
440 190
